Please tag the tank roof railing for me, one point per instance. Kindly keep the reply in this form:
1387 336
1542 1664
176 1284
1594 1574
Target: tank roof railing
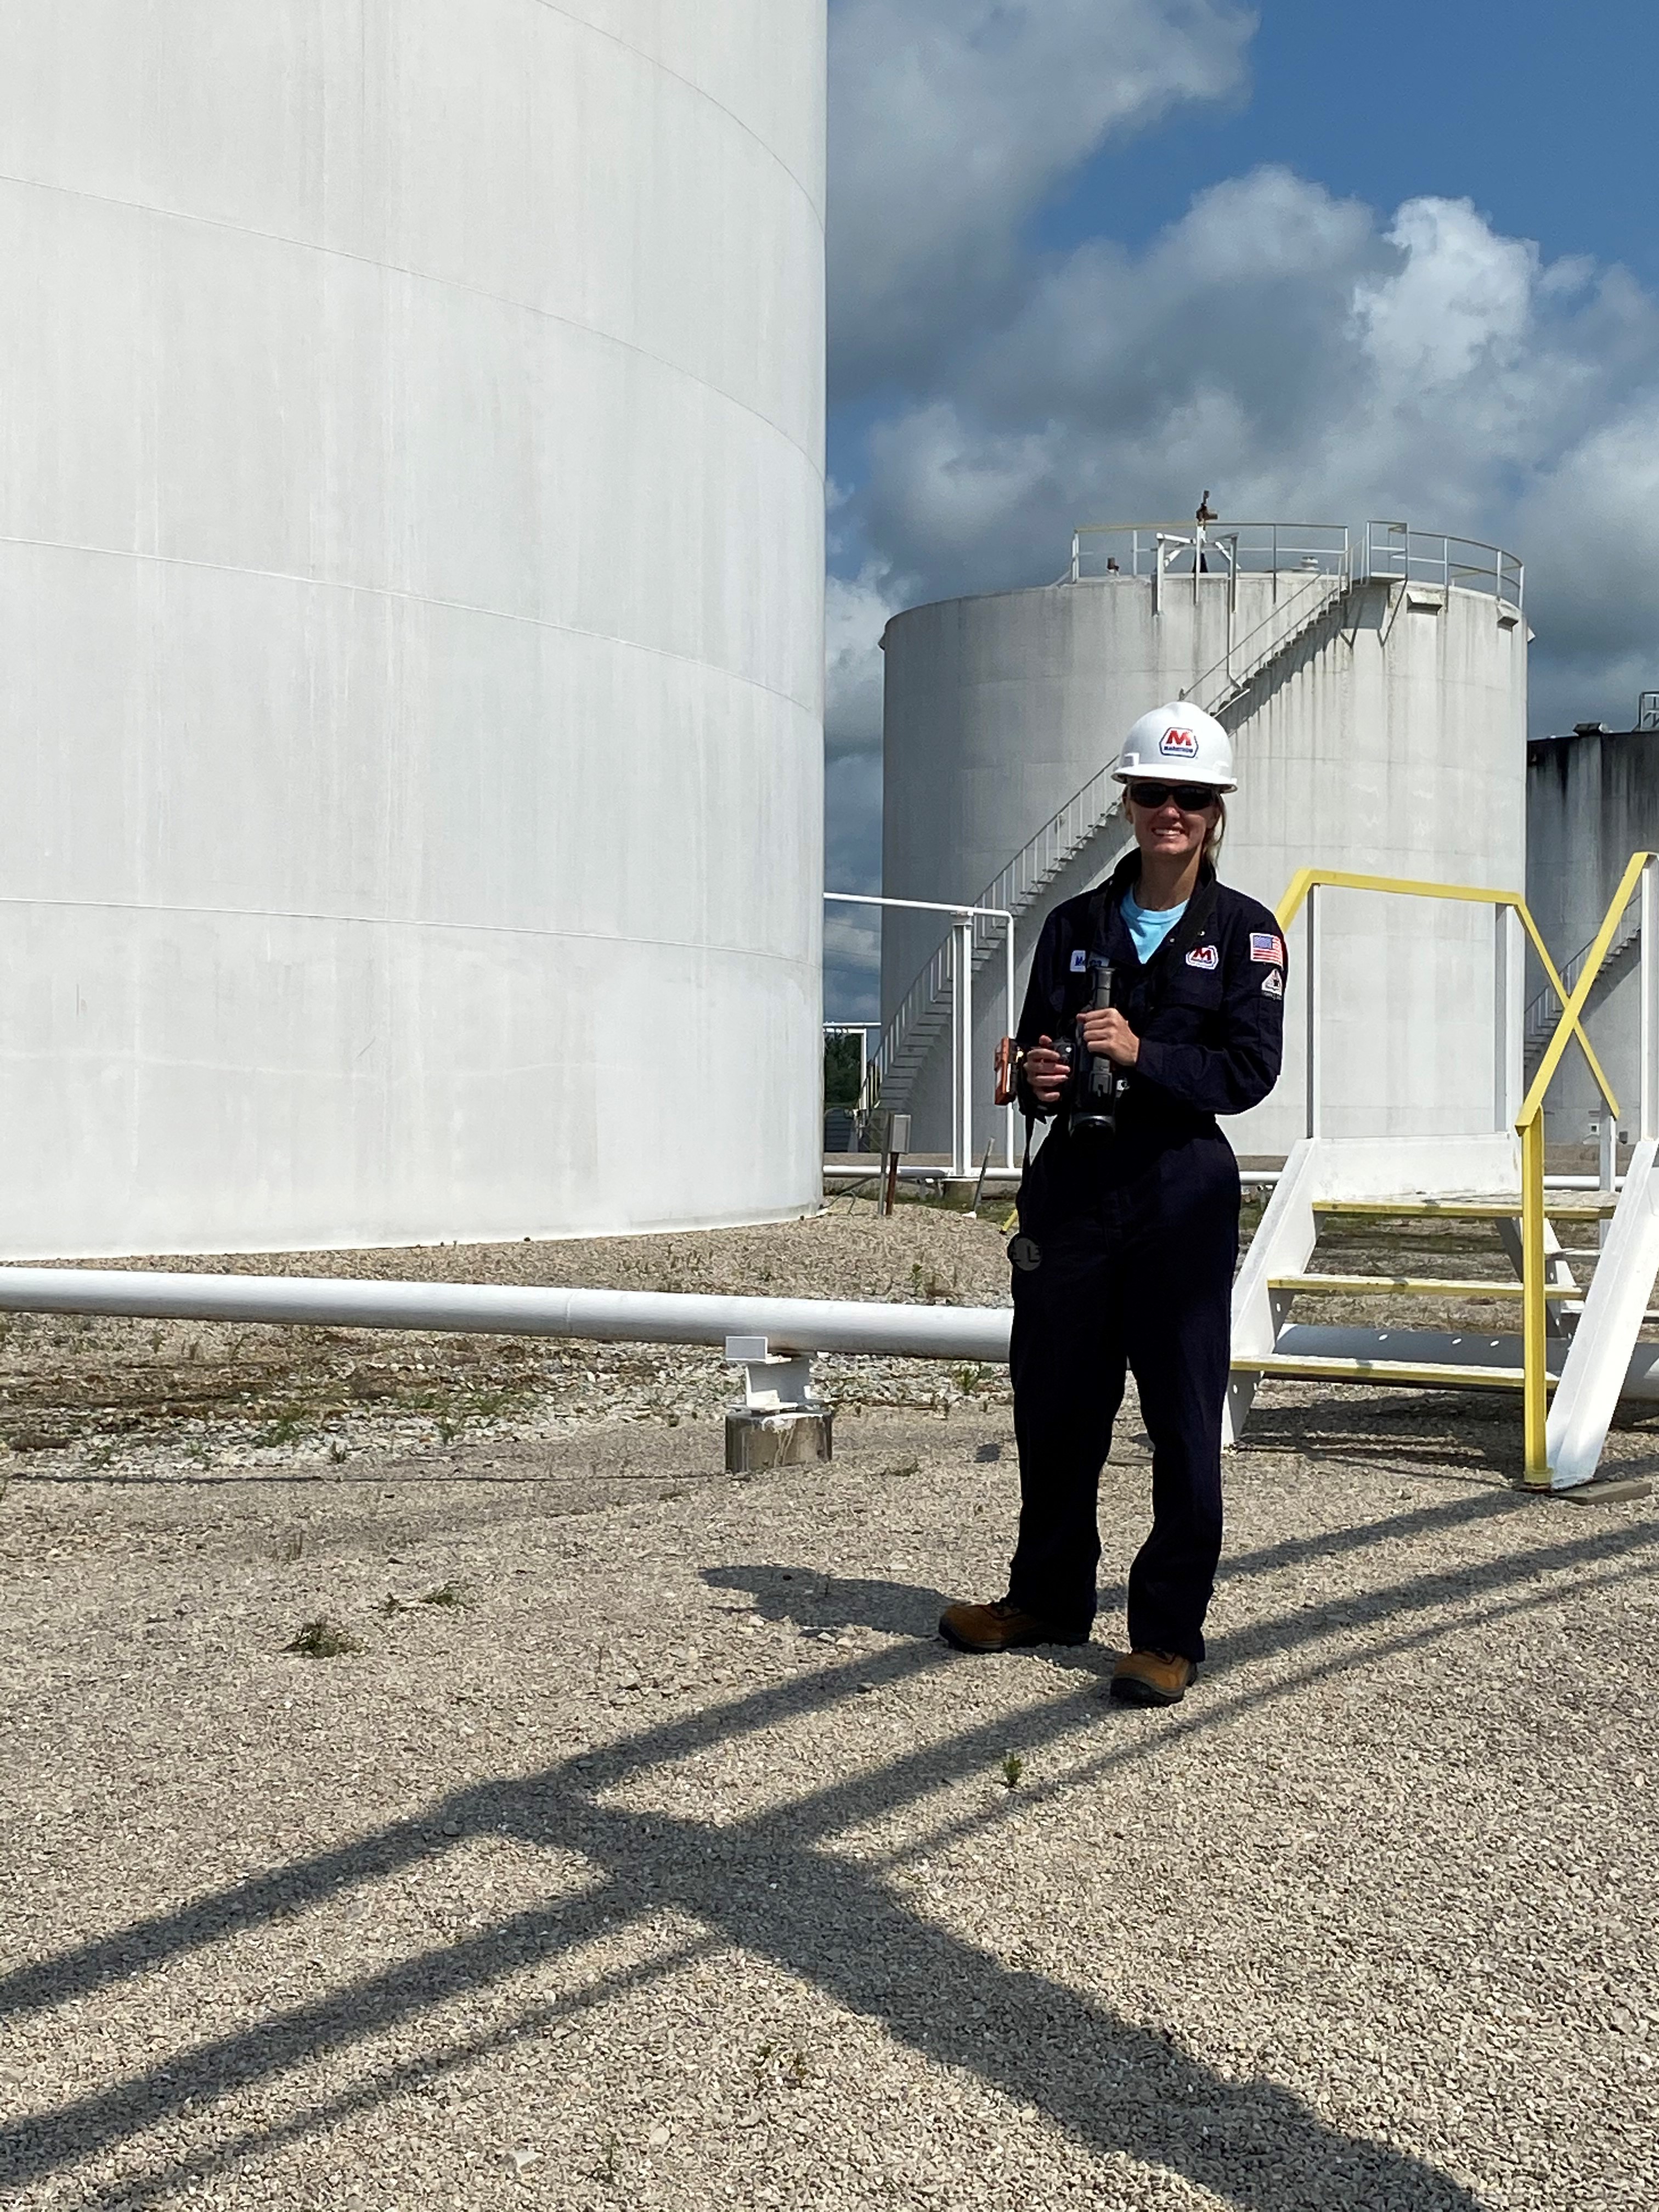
1396 553
1156 549
1393 553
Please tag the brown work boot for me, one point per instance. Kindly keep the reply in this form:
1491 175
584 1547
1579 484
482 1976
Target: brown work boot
1001 1627
1152 1678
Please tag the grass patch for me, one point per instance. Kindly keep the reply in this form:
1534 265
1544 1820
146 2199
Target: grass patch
900 1470
1012 1767
286 1429
448 1594
322 1638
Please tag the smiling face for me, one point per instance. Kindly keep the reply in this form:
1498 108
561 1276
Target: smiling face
1167 819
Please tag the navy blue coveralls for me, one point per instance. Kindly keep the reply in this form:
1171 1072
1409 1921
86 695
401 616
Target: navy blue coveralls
1126 1250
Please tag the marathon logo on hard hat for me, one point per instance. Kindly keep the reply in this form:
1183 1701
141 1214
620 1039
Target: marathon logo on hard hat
1203 956
1181 744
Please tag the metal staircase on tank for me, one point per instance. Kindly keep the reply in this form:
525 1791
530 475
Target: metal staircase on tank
1541 1009
924 1012
1303 608
1582 1309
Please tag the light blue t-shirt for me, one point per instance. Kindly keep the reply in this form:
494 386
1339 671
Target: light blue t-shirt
1149 930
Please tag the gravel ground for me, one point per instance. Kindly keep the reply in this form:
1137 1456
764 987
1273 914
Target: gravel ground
650 1851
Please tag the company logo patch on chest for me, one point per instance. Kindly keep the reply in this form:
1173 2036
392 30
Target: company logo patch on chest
1080 961
1265 946
1178 744
1272 984
1026 1254
1203 956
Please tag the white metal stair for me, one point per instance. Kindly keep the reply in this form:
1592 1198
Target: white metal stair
1544 1010
1598 1298
1233 675
923 1011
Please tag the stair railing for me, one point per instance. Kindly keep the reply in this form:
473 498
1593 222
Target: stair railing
1510 909
958 954
1540 1021
1639 875
1023 878
1325 584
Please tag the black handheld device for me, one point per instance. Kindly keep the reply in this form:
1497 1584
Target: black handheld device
1095 1080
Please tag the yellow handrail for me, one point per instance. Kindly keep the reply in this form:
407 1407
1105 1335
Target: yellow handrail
1529 1127
1529 1124
1307 879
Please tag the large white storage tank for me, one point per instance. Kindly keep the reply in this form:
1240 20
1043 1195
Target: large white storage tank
1592 800
1375 690
411 607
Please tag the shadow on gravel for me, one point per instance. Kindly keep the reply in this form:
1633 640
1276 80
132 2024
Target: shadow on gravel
1463 1439
808 1598
766 1886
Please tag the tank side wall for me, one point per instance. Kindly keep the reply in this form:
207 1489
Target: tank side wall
1591 802
411 595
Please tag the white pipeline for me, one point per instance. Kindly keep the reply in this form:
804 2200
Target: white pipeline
804 1325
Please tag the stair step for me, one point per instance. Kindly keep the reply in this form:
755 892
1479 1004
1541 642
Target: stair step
1425 1374
1466 1209
1412 1286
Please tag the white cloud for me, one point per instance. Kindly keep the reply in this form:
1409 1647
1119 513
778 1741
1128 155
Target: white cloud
1303 356
952 120
856 611
1304 359
1461 299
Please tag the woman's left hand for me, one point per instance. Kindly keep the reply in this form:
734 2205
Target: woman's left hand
1110 1036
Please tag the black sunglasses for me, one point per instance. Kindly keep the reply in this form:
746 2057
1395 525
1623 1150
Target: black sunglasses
1190 798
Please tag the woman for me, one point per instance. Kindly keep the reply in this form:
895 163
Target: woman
1129 1236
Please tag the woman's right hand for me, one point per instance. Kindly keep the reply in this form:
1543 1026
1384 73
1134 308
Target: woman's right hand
1045 1072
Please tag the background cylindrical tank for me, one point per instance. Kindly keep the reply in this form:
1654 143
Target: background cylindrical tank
1592 800
411 607
1379 726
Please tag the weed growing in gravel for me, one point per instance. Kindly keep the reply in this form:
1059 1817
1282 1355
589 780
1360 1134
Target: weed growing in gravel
968 1379
777 2069
287 1549
449 1593
284 1430
322 1638
337 1452
1012 1767
900 1469
605 2171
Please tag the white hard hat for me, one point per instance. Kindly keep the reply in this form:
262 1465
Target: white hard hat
1178 743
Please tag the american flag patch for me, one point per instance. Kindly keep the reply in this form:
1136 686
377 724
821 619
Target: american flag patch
1266 948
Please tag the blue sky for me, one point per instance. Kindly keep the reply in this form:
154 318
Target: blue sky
1420 241
1541 114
